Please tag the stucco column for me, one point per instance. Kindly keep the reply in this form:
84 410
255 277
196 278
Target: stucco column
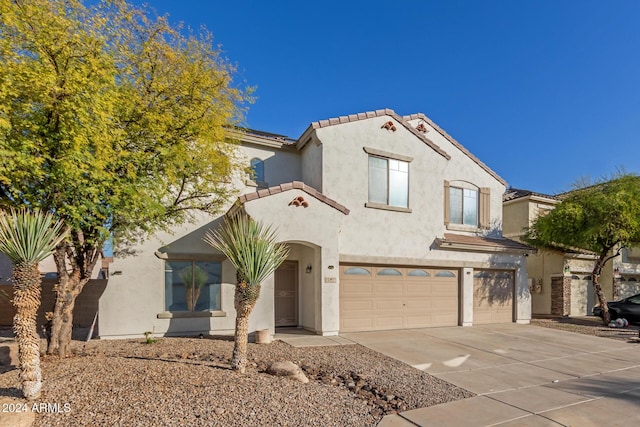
466 296
329 303
523 295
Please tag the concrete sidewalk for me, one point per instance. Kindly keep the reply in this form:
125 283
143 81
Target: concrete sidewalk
523 375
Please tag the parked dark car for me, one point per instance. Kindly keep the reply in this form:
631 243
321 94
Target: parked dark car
628 308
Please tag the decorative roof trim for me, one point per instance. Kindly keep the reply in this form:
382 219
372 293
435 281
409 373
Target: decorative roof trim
370 115
456 144
295 185
482 244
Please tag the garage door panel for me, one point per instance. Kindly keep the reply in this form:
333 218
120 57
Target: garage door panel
357 324
358 305
444 289
397 301
388 322
384 304
417 304
388 289
417 289
417 321
357 289
443 319
493 296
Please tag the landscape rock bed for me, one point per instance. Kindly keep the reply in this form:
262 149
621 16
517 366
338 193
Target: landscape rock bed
187 381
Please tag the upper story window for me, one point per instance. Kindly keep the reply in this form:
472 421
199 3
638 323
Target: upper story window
388 181
257 170
466 206
463 206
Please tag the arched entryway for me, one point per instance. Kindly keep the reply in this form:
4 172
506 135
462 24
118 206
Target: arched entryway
295 284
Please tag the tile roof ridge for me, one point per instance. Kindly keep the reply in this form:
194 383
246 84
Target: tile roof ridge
293 185
455 143
379 113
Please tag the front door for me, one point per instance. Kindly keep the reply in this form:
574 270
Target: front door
286 294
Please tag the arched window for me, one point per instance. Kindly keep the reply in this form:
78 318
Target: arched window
389 272
357 270
257 170
445 273
419 273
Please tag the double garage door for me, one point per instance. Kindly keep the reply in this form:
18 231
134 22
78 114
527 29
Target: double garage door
376 298
389 297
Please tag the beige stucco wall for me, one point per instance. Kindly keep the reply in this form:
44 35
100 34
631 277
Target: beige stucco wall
312 165
320 235
316 226
540 267
515 217
383 233
280 165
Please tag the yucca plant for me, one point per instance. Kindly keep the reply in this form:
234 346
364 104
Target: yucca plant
193 278
254 250
28 238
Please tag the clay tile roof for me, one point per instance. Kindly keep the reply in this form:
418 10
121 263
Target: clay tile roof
480 243
516 193
378 113
455 143
295 185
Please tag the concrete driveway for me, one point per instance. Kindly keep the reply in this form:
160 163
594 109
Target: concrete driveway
523 375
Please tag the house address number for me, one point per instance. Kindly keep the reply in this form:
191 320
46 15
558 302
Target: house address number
330 280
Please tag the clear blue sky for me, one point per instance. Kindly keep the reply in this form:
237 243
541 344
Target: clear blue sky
544 92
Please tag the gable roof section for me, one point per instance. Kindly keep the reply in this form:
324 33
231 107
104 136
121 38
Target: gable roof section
369 115
456 144
404 121
295 185
483 244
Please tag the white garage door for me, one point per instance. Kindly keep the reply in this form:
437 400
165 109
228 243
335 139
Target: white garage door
388 297
492 296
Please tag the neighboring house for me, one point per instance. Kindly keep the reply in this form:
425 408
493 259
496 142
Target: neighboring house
391 223
560 282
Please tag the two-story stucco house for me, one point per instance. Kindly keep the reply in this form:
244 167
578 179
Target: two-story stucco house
391 222
560 282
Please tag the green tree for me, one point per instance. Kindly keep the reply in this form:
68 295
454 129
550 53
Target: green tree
255 252
601 218
113 121
28 238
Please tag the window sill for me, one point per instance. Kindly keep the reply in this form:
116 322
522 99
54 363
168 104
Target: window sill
462 227
190 314
386 207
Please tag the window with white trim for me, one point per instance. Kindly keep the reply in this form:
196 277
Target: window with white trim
388 181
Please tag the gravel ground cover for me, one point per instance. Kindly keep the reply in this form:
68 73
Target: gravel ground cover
187 382
589 325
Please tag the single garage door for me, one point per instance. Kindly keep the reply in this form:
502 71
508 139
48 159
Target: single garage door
389 297
582 295
492 296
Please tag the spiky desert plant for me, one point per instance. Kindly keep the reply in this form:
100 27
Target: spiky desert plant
254 250
193 279
28 238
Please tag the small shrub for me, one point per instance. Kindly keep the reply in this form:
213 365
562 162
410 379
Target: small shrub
149 338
